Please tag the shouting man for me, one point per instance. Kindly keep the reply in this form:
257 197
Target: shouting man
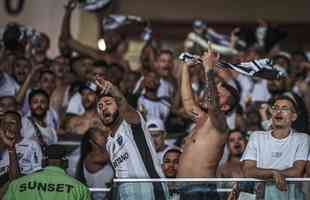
129 145
210 133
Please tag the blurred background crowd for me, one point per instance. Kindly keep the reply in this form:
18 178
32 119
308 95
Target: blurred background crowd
55 97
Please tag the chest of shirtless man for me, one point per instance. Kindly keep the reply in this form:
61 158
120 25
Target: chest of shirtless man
204 147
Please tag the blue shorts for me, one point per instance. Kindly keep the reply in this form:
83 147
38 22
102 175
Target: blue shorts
199 191
135 191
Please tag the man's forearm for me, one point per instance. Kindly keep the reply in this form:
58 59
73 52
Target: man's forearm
297 170
14 167
66 25
186 90
259 173
217 117
23 89
128 112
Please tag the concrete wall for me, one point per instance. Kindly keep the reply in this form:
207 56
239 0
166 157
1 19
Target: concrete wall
46 15
287 11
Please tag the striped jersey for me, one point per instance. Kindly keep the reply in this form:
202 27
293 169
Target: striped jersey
132 153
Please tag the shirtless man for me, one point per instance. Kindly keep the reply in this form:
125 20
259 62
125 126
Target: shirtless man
204 148
89 119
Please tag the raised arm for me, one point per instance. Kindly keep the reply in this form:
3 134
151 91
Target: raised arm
9 142
128 112
23 89
66 38
186 93
211 99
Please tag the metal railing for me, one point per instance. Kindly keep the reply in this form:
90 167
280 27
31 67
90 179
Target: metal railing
131 180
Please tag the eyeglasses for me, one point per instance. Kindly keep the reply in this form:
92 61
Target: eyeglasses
277 109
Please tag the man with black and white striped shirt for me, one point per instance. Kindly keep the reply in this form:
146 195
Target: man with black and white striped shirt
131 151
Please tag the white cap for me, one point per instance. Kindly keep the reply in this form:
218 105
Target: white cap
155 125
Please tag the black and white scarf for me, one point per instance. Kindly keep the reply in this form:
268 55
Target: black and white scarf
262 68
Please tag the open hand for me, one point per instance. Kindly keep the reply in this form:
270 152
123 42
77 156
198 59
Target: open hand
8 138
104 85
280 181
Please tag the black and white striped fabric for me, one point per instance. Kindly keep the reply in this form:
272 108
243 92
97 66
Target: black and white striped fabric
94 5
262 68
112 22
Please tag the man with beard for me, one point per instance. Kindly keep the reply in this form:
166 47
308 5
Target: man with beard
149 104
47 83
80 124
34 125
278 153
129 145
204 147
280 87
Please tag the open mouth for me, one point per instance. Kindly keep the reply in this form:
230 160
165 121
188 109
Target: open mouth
107 115
278 118
238 147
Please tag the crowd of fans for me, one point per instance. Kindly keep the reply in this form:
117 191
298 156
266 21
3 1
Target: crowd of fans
44 101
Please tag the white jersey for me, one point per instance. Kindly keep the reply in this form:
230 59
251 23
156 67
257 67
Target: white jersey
99 179
272 153
128 151
75 105
154 109
29 156
48 133
8 86
132 153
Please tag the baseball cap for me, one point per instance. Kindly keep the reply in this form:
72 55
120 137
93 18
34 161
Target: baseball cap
88 86
155 125
199 24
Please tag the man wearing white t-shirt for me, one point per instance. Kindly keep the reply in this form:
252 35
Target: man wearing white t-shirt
129 145
157 130
26 152
34 126
8 86
279 153
308 166
149 104
75 105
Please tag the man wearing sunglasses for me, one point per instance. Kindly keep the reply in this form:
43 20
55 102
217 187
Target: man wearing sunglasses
279 153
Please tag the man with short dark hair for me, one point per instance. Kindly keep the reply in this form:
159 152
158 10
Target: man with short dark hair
279 153
34 124
50 183
18 156
75 105
171 162
89 119
150 104
129 145
28 152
